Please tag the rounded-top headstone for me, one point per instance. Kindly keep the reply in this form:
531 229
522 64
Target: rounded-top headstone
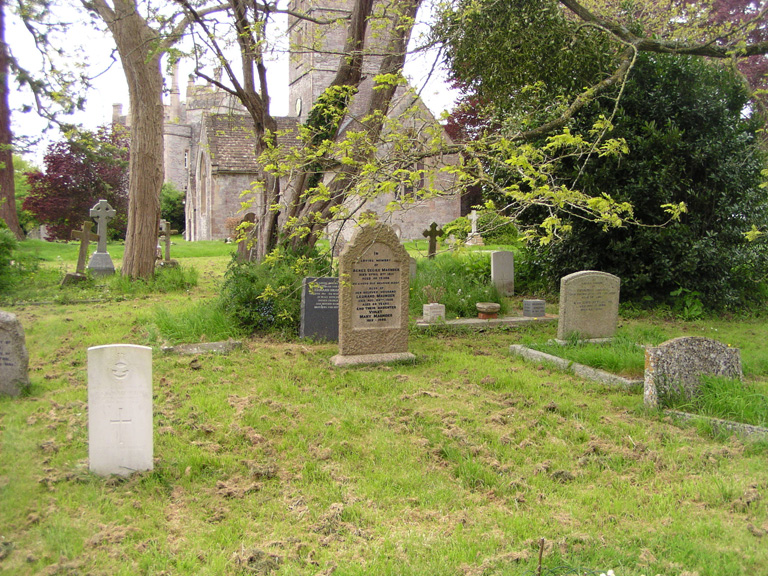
589 305
14 358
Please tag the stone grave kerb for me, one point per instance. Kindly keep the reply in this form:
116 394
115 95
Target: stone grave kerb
379 341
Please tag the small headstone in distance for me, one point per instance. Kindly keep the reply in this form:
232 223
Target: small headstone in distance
675 367
100 263
534 308
320 309
14 358
120 409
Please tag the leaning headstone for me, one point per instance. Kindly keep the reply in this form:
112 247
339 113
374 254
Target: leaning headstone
100 263
85 236
120 409
534 308
674 369
474 238
14 358
589 305
320 309
373 298
432 233
503 272
165 234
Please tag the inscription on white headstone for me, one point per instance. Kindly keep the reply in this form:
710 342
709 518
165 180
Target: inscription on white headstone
120 409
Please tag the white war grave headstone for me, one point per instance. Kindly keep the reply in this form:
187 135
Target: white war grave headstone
120 409
373 298
589 306
100 263
14 358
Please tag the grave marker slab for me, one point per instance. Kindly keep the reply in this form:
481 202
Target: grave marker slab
14 358
320 309
120 409
534 308
100 263
503 272
373 298
676 366
589 305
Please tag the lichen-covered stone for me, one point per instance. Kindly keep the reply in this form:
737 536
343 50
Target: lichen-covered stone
14 358
675 368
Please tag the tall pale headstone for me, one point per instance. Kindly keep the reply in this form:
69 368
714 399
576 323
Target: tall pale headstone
14 358
589 305
675 367
120 409
373 298
503 272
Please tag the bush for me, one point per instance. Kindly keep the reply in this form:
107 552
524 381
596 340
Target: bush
8 244
172 206
266 296
690 141
462 280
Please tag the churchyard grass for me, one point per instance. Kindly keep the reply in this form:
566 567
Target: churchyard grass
270 461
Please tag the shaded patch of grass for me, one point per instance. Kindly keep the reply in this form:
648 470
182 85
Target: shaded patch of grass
728 399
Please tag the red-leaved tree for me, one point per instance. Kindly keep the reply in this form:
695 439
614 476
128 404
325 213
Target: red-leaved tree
78 173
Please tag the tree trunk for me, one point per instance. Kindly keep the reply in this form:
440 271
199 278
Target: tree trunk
7 185
137 45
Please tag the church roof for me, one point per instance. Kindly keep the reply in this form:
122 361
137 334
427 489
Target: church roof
231 141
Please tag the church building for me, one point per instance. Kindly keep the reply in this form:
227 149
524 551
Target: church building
209 142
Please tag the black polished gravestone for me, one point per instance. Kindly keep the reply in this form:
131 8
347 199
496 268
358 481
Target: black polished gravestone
320 309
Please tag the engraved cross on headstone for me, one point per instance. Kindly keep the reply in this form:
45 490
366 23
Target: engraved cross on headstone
432 234
120 422
103 213
85 235
165 232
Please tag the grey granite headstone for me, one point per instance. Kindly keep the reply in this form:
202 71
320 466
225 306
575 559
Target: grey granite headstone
589 305
373 298
320 309
100 263
534 308
120 409
503 272
675 367
14 358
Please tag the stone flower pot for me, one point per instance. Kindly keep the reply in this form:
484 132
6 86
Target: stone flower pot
488 310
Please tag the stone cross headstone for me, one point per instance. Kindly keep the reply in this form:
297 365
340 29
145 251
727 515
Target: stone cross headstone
14 358
165 233
432 233
675 367
100 263
589 305
85 236
320 309
373 298
503 272
120 409
474 238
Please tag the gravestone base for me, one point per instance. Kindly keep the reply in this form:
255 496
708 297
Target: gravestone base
168 263
101 264
583 341
356 360
73 278
487 315
474 240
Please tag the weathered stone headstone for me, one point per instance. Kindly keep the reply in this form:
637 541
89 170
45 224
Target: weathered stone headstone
373 298
14 358
320 309
433 312
503 272
120 409
85 236
432 233
589 305
243 235
165 234
674 368
534 308
474 238
100 263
